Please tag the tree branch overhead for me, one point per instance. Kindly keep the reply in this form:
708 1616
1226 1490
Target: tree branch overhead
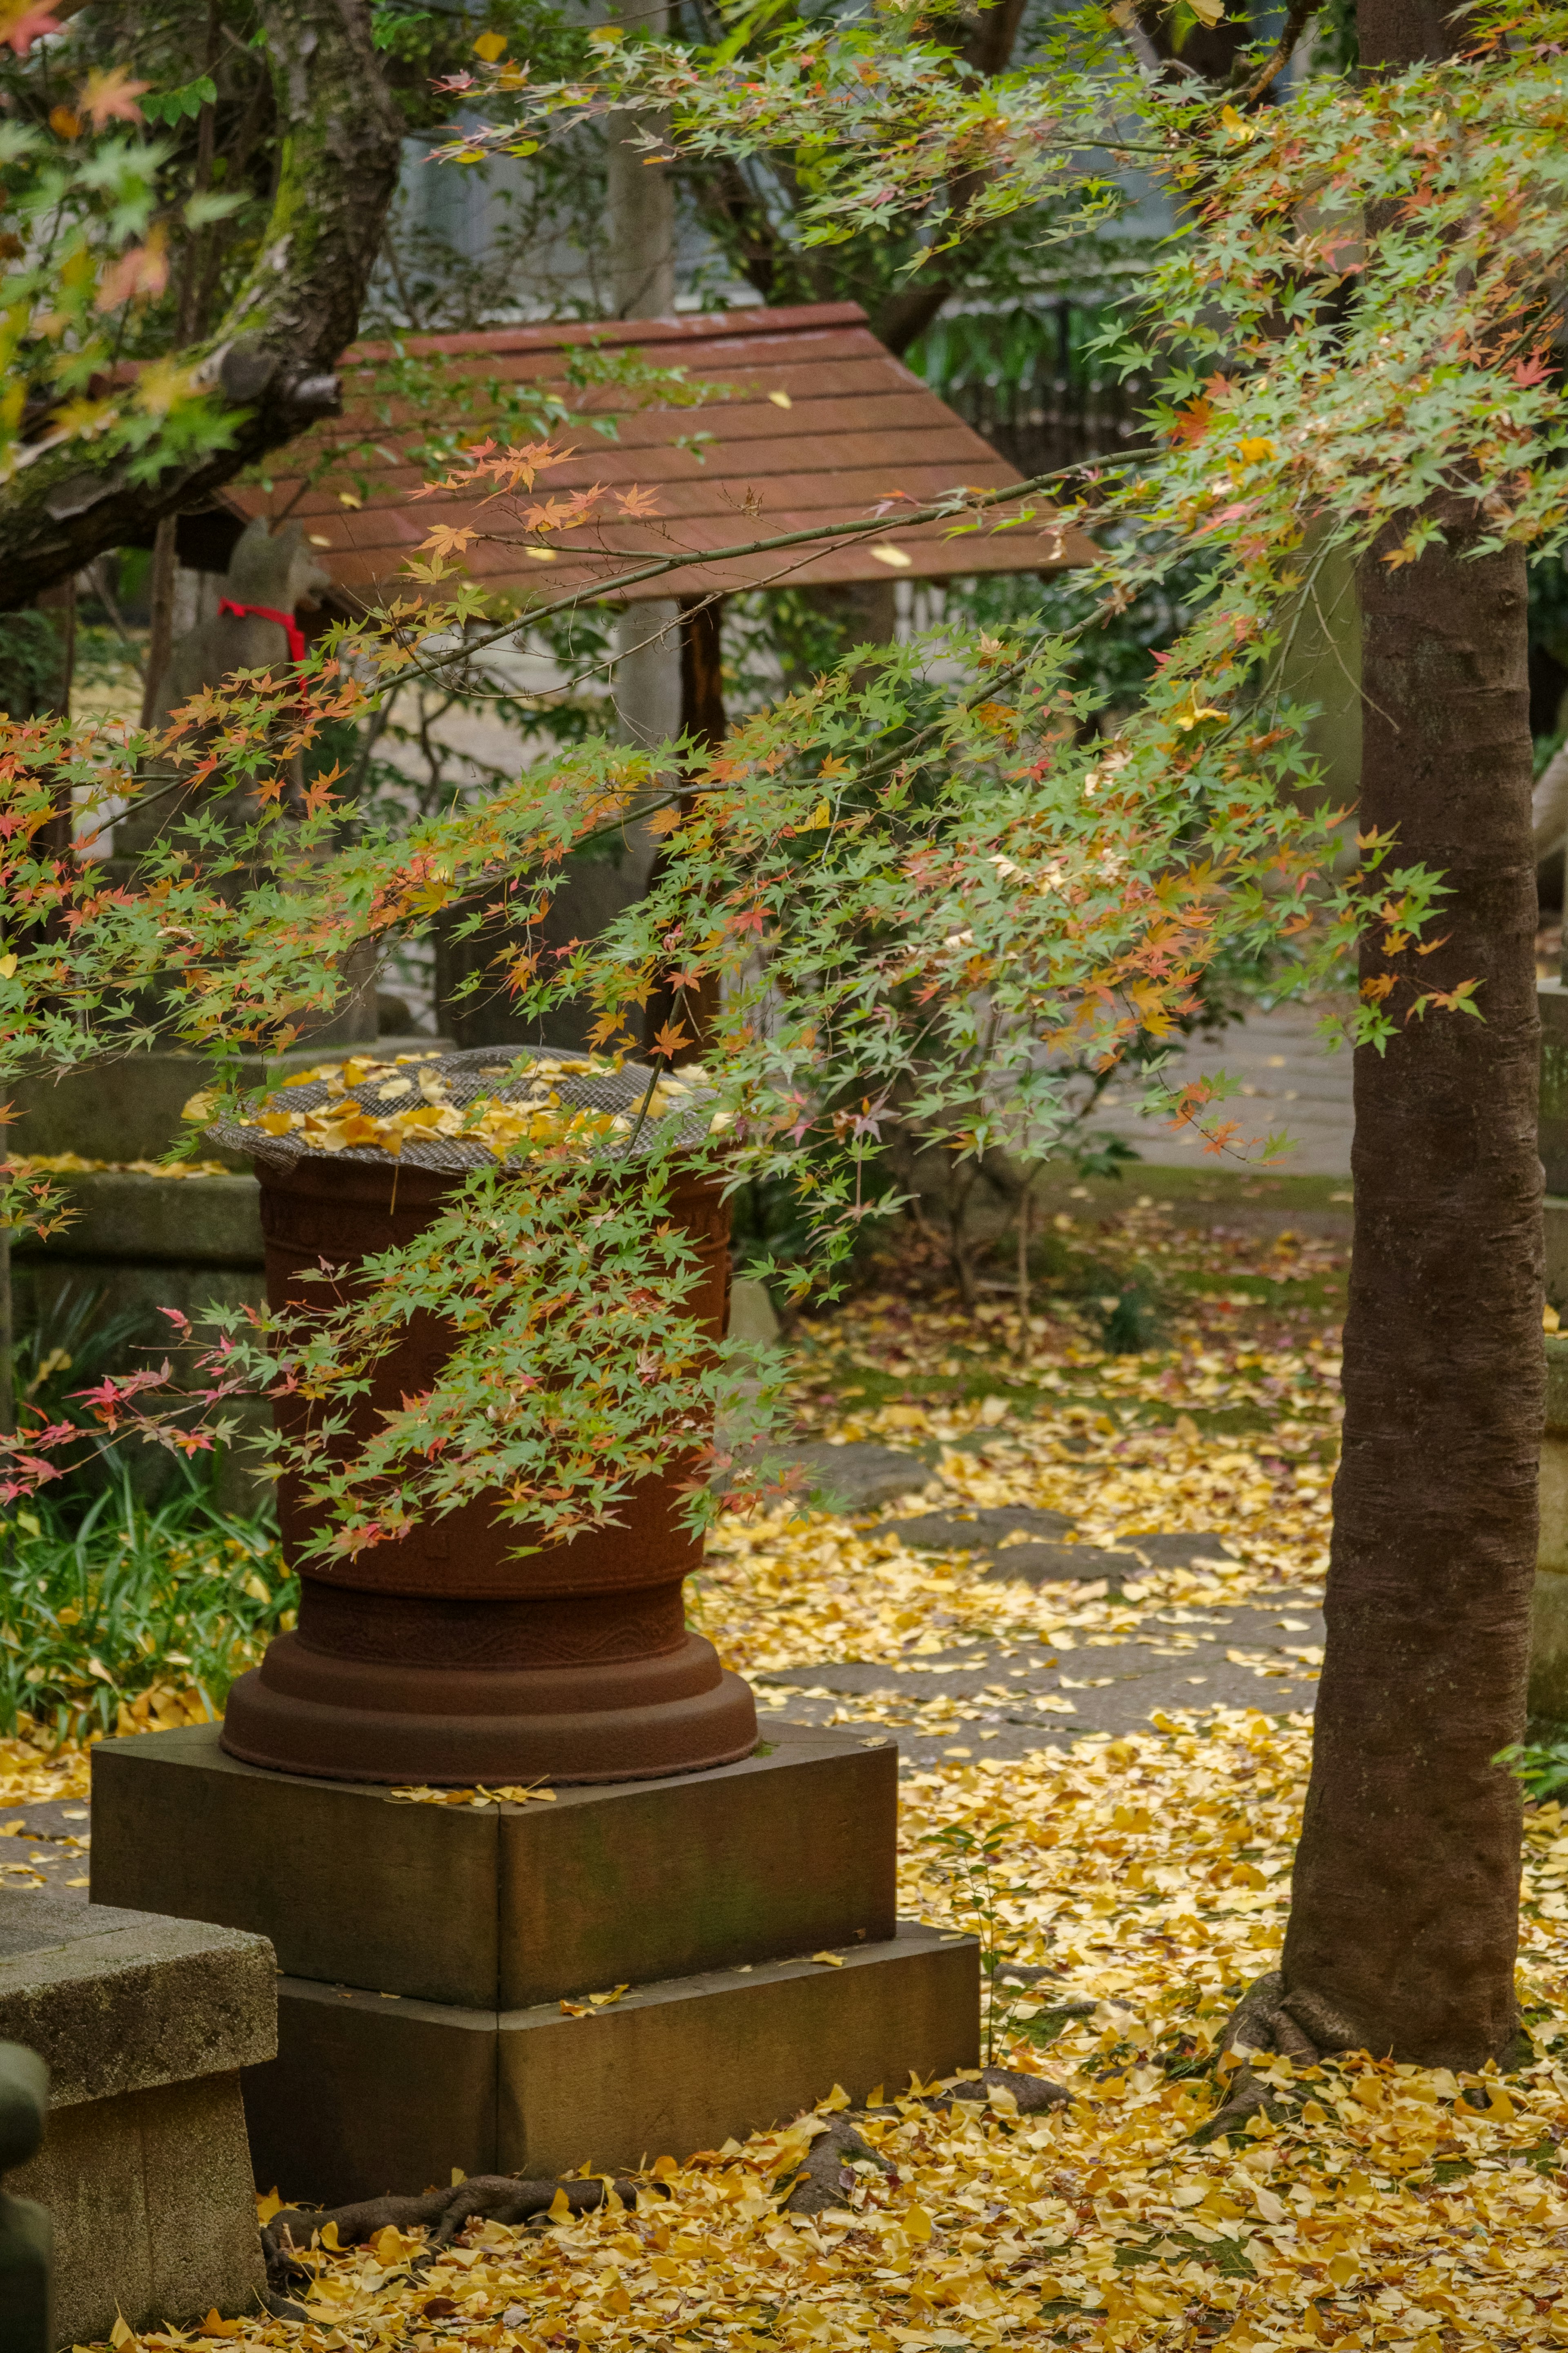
273 354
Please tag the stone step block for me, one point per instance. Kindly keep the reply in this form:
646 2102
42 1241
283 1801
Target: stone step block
144 2024
506 1905
369 2094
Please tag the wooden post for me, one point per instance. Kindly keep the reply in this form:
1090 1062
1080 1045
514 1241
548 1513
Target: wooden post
702 717
703 729
27 2235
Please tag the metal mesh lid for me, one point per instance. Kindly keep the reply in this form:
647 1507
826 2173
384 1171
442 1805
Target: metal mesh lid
413 1109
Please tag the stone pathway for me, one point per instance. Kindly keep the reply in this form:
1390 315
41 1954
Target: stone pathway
980 1699
1288 1081
1002 1700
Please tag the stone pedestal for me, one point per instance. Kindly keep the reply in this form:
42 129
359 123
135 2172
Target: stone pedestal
427 1951
145 2025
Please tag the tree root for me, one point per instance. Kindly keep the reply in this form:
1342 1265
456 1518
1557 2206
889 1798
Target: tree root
489 2197
823 2180
1263 2021
824 2177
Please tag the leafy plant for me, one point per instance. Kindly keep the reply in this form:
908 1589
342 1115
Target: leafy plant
128 1614
971 1862
1539 1766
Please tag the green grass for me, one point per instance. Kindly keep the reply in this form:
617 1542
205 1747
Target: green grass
124 1605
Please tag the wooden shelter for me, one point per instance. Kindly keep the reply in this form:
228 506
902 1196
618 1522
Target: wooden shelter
810 425
805 425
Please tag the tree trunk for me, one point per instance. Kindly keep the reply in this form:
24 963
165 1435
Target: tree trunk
1404 1918
339 144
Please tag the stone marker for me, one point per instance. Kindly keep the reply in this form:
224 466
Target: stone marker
26 2242
1548 1624
427 1951
143 2024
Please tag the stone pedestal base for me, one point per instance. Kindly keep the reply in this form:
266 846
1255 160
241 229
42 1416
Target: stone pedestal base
427 1951
369 2094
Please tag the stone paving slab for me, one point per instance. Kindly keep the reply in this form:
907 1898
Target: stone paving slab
1021 1542
1287 1080
1017 1697
46 1845
853 1478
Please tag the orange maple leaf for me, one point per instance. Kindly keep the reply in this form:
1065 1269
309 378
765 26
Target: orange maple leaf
669 1040
112 97
638 502
443 541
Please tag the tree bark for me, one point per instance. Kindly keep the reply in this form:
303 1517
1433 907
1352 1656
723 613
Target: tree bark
271 358
1405 1917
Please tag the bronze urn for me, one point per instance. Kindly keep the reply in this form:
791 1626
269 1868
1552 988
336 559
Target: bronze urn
444 1657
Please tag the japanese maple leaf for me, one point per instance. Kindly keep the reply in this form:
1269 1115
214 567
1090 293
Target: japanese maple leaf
669 1042
112 97
22 23
144 269
638 502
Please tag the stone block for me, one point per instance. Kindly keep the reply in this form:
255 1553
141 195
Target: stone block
791 1847
1548 1614
680 2066
1554 1213
144 2170
753 1322
113 2000
1553 1000
509 1906
368 2094
1549 1647
207 1221
153 2206
350 1886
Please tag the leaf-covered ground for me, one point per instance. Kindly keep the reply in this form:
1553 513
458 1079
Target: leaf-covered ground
1136 1882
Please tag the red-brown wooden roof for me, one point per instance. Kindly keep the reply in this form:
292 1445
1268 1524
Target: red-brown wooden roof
823 427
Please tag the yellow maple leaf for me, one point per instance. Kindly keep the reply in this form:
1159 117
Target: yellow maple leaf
490 45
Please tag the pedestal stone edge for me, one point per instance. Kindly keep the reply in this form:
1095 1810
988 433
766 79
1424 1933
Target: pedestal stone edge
369 2094
789 1850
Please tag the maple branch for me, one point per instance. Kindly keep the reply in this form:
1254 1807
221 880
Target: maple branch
1300 15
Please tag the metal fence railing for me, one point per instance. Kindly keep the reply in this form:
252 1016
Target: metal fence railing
1034 383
